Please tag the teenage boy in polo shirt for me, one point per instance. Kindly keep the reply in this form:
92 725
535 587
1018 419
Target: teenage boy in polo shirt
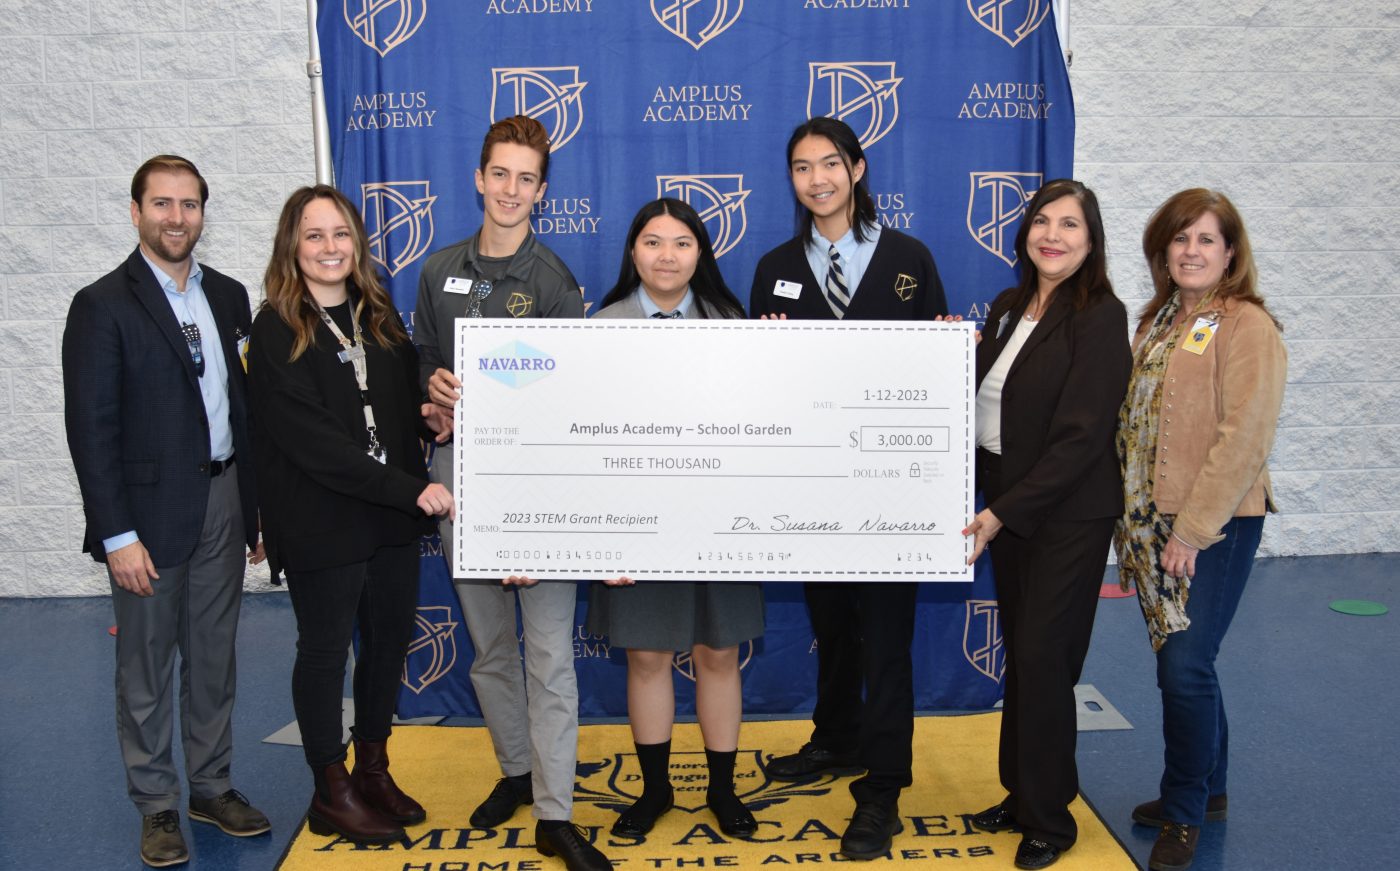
504 271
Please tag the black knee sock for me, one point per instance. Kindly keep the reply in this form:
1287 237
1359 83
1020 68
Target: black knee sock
721 772
719 795
655 761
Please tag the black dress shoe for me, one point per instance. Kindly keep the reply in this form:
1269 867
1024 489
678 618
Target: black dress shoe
639 819
733 817
570 844
508 794
810 761
1036 854
872 829
994 819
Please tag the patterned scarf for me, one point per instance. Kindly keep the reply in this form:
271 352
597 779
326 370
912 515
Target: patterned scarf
1142 532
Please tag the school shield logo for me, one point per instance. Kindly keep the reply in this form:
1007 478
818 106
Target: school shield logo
864 94
550 95
614 782
519 304
685 665
982 643
398 220
718 198
1012 20
433 650
696 21
383 25
995 203
904 286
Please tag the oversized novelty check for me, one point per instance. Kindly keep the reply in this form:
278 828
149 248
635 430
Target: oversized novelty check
714 450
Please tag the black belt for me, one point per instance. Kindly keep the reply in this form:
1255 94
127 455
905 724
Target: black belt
218 467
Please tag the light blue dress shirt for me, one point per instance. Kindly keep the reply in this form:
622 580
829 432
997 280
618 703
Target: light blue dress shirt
855 256
192 306
686 307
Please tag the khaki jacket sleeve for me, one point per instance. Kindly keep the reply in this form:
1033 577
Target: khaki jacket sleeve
1250 388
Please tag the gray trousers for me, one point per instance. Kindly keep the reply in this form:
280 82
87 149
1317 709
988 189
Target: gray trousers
195 610
532 715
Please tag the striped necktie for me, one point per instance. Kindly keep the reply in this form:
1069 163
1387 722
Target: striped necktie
836 294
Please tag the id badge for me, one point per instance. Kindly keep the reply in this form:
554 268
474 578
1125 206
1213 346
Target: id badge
1201 333
351 354
787 289
457 285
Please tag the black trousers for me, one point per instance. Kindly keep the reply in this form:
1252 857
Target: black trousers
1047 592
382 595
864 632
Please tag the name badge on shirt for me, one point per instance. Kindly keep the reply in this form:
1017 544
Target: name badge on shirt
1201 333
457 285
787 289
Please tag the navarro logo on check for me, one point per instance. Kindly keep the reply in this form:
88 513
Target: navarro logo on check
515 364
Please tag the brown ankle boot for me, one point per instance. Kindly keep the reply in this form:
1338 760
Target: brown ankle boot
371 777
1175 847
338 809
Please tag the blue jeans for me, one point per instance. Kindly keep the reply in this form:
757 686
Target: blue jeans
1193 712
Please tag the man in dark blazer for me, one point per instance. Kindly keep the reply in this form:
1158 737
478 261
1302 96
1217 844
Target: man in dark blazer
156 413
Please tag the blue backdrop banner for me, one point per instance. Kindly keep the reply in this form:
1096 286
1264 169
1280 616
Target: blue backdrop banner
963 108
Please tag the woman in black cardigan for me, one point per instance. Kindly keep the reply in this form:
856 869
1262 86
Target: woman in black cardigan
1052 369
344 496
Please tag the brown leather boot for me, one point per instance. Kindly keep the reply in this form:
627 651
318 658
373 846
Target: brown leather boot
1175 847
371 778
338 809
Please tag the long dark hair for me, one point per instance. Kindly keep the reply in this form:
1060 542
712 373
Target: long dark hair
707 284
1181 210
847 143
285 287
1090 280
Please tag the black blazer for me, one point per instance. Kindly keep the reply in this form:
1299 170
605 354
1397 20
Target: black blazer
136 422
900 284
325 502
1059 410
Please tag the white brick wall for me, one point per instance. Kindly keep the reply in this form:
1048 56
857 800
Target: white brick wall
1290 106
89 89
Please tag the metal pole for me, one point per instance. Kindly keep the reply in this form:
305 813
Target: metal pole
320 129
1061 8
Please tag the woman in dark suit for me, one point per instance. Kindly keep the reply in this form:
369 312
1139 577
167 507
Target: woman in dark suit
344 497
1052 369
669 271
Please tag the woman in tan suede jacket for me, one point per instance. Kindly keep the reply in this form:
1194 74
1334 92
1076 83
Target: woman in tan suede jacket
1193 437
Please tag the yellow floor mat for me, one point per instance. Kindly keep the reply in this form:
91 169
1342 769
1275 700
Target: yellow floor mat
449 770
